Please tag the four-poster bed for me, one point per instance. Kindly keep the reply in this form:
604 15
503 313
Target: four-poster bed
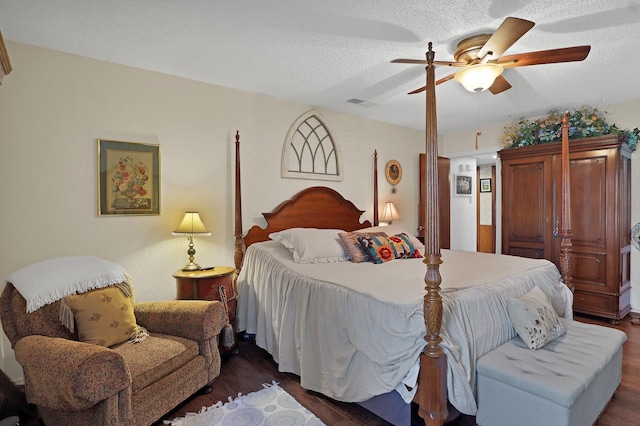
268 305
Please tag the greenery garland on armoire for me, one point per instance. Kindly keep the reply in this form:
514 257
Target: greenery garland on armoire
585 122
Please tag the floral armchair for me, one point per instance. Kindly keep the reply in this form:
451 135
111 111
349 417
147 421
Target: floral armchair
77 383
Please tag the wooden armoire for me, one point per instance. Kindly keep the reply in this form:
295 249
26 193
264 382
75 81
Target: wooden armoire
600 189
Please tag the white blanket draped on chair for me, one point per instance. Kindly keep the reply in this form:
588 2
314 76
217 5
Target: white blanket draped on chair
53 279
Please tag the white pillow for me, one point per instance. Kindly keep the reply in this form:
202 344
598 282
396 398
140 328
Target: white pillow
534 319
394 230
312 245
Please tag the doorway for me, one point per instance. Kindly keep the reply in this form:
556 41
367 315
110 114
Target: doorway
486 208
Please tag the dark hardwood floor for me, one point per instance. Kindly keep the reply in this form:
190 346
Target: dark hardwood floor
251 367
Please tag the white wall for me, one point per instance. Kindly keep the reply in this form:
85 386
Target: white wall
54 106
463 207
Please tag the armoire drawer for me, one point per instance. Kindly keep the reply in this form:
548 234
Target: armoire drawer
594 303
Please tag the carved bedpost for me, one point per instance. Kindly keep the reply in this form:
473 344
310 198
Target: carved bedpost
375 188
432 395
238 254
566 261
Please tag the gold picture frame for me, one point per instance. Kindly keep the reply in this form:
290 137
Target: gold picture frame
128 178
393 172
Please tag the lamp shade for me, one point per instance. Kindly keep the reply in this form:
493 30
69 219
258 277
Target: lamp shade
478 78
389 213
191 225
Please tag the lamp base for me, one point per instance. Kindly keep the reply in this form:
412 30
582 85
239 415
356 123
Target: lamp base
191 267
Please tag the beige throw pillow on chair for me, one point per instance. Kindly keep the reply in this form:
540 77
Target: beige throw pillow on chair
104 316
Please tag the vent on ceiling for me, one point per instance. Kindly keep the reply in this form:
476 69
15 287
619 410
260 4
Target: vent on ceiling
362 102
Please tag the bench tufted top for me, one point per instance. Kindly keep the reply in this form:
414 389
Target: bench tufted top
562 369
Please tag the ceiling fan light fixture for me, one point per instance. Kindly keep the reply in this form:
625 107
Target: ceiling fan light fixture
478 78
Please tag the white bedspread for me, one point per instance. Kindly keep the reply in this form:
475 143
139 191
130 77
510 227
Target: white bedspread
352 331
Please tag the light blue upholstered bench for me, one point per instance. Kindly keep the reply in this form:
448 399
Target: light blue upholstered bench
567 382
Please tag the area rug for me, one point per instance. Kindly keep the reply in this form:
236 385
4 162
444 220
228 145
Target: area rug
270 406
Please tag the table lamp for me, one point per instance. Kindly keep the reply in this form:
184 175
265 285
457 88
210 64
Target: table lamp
389 214
191 226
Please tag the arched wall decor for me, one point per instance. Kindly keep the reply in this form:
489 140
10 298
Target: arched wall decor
310 151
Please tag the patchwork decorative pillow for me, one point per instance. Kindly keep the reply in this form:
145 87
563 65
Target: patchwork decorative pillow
379 248
534 319
394 230
357 253
312 245
404 247
384 249
104 316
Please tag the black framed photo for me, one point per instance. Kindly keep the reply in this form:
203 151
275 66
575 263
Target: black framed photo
463 185
485 185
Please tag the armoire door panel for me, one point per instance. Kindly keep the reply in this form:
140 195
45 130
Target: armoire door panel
527 224
588 201
590 269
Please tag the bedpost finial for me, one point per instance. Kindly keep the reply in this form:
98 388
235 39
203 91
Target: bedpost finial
375 153
430 54
237 136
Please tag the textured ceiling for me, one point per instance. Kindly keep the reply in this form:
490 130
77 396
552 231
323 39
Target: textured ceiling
323 53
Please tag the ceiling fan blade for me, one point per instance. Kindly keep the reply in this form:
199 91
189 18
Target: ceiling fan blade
420 90
553 56
424 61
423 88
499 85
409 61
451 64
447 78
505 36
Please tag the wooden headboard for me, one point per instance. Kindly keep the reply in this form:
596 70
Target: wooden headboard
314 207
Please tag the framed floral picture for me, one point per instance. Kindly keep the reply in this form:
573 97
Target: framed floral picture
128 178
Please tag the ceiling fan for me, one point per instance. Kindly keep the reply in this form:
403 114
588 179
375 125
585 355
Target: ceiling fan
481 61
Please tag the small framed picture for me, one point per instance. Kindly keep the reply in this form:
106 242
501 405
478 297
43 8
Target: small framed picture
128 178
393 172
485 185
463 185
